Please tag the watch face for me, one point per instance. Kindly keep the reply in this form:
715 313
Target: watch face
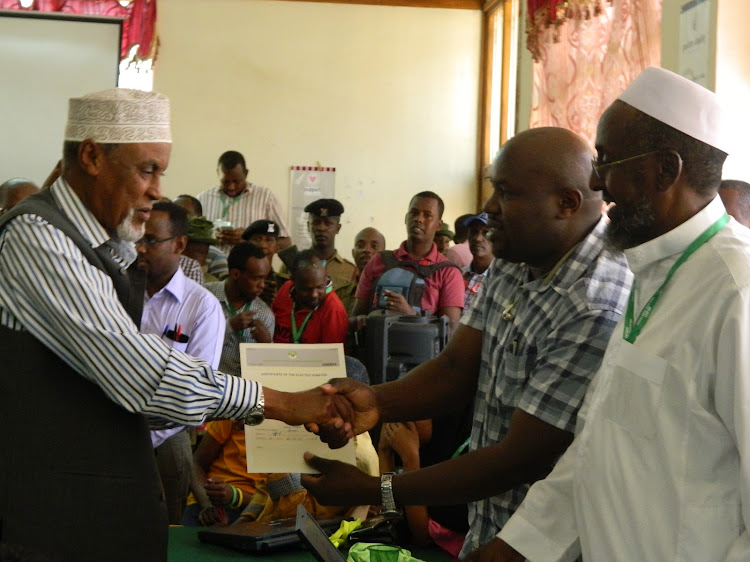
254 417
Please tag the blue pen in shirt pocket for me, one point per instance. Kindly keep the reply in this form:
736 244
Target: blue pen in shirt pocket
175 334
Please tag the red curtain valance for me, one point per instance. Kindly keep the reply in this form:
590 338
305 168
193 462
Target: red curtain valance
138 25
548 15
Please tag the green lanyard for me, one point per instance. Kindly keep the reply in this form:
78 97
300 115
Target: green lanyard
226 203
245 308
461 448
297 334
630 331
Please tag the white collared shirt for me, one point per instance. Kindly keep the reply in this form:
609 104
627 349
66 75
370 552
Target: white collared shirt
659 469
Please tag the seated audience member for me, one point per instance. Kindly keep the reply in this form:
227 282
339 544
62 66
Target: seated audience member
199 240
278 495
443 286
215 264
192 270
265 234
368 242
306 311
459 253
238 202
188 318
192 206
415 445
443 239
15 190
481 249
324 216
220 465
735 195
248 318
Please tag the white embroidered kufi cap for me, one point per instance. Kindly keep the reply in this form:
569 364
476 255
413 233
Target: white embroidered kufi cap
682 104
119 115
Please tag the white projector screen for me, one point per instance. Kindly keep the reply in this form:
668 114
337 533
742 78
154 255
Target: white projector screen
44 60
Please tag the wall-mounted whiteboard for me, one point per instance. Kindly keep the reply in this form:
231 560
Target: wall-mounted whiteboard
46 59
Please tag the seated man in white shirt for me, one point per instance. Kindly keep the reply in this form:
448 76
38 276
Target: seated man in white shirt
188 318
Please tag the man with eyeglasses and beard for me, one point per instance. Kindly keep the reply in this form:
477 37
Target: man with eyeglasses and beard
659 468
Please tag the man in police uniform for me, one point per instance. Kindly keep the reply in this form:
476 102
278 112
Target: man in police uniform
324 224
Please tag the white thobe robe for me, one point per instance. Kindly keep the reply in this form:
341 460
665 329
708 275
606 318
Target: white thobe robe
660 466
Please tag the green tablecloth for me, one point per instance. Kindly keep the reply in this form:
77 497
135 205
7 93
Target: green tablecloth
184 546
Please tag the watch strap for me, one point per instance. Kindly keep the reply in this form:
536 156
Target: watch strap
386 494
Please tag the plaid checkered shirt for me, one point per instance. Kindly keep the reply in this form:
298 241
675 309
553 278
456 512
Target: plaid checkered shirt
542 359
230 352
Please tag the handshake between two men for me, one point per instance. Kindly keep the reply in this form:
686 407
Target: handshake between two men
336 412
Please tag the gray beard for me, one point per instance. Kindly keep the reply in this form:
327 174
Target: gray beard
128 231
630 225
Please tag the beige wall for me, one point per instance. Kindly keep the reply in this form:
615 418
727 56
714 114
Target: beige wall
729 65
387 95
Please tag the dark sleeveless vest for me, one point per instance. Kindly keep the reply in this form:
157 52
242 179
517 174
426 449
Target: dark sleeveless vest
78 478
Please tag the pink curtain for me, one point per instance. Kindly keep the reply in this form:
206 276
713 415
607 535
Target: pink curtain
585 61
138 25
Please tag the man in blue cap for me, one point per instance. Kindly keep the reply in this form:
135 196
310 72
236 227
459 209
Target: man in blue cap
481 251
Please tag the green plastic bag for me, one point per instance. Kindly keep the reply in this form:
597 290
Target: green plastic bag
360 552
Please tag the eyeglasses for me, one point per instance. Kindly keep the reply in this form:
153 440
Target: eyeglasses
151 242
599 169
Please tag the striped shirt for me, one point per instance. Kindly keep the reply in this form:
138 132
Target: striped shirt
50 290
216 263
542 359
230 353
254 203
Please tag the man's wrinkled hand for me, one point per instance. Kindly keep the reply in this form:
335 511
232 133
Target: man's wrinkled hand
338 483
497 550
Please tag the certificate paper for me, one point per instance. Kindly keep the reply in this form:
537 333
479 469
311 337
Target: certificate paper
274 446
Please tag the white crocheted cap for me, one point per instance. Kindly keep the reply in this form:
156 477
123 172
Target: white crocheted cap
681 104
119 115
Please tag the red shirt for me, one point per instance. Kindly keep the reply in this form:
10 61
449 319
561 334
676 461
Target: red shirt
442 289
328 323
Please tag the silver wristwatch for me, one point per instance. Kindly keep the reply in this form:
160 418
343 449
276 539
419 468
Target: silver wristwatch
257 413
386 495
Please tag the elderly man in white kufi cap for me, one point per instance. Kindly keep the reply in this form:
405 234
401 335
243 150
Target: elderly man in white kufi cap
660 467
78 479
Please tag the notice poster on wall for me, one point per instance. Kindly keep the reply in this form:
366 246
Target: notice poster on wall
695 42
307 184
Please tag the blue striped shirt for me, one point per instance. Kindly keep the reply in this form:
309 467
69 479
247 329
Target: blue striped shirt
50 290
